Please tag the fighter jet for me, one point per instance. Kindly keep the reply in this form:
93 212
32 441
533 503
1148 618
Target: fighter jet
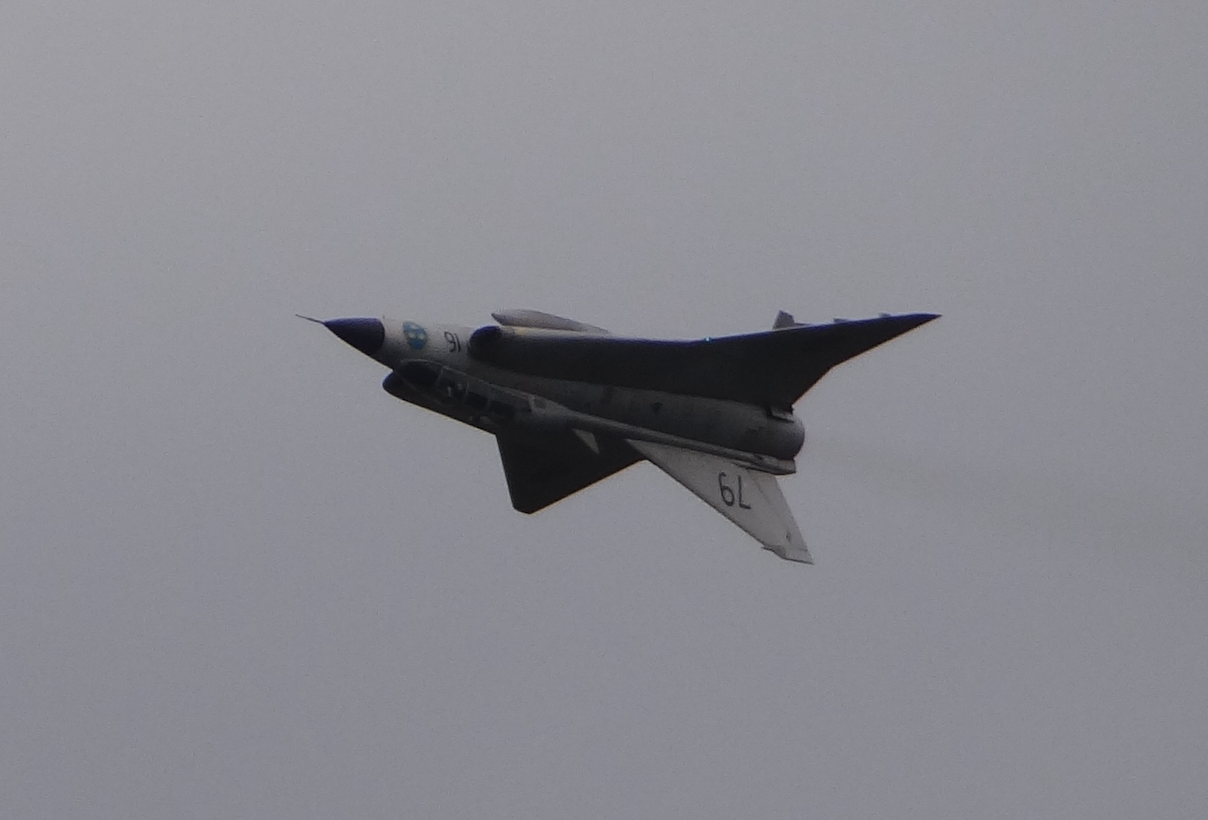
570 404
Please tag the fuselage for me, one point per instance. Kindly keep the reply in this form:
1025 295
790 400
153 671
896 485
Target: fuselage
432 367
570 404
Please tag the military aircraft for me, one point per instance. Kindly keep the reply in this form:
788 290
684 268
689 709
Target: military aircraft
571 404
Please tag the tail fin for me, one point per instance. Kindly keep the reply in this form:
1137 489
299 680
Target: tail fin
749 498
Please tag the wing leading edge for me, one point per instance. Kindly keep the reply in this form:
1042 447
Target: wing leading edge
774 367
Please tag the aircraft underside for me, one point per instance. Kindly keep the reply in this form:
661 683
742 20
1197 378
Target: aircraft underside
571 405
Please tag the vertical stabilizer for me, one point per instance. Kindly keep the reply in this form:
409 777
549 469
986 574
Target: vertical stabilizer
750 498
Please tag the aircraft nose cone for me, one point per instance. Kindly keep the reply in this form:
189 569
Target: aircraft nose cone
366 335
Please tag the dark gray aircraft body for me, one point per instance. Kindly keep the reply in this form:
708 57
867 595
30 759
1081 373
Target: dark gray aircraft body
571 404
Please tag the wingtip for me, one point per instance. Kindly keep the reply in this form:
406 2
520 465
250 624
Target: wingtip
910 321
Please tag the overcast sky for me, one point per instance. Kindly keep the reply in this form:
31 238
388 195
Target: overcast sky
237 579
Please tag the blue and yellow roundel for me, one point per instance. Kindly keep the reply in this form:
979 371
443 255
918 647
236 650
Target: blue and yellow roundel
415 335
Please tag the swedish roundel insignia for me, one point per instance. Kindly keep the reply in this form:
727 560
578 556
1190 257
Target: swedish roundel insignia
415 335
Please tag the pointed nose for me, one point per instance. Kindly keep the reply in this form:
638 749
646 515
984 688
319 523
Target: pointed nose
366 335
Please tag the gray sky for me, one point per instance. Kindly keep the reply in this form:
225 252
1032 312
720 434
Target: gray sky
239 580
